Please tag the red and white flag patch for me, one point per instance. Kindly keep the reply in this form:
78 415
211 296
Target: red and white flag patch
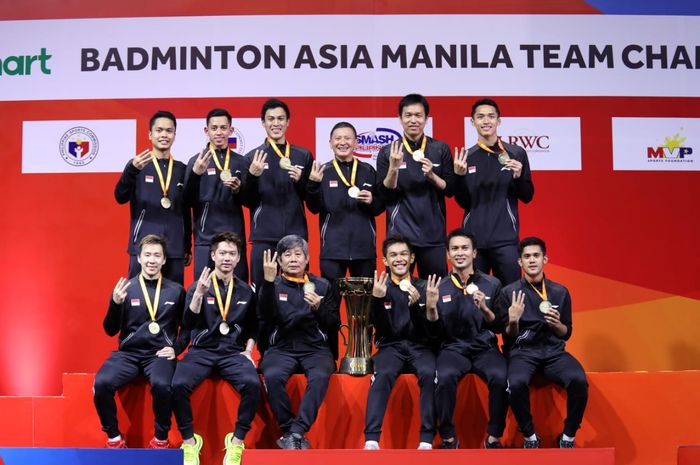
210 300
283 297
149 179
135 302
447 298
211 171
332 183
472 169
387 305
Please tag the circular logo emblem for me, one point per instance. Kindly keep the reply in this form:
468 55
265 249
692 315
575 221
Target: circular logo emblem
78 146
237 141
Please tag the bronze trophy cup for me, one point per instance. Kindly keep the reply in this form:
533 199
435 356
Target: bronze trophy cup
357 293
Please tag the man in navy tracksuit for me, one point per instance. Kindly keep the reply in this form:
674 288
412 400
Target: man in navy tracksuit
302 311
458 308
398 315
220 312
146 311
214 187
344 193
415 175
278 175
153 185
537 315
491 177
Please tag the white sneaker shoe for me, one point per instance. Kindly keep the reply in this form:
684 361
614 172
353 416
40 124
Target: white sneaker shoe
425 446
371 445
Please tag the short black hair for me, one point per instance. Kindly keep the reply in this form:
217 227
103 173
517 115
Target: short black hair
395 239
218 112
162 114
412 99
460 232
532 240
153 239
226 236
271 104
343 124
486 101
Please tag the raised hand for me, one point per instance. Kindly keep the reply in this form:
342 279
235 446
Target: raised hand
204 281
517 306
432 292
313 299
142 159
202 162
413 295
316 174
379 288
233 183
294 173
396 155
515 166
426 166
365 196
460 162
119 292
269 265
257 166
166 352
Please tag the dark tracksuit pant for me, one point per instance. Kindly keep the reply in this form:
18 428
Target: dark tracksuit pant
389 362
197 365
202 258
334 269
503 261
430 260
489 365
122 367
278 365
558 366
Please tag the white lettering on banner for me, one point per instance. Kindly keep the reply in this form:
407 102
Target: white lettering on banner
656 144
550 143
84 146
591 55
372 135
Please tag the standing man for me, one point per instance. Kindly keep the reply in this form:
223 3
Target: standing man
416 175
537 313
214 189
460 314
220 311
491 177
278 174
343 193
146 311
398 315
153 185
302 310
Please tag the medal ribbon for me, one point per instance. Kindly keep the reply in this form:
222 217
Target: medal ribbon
396 280
216 157
164 185
305 279
353 174
458 284
488 149
422 145
277 149
543 294
223 309
152 307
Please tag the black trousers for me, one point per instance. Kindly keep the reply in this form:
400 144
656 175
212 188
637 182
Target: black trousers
256 261
503 261
277 366
119 369
430 260
556 365
174 269
334 269
197 365
490 366
202 258
389 362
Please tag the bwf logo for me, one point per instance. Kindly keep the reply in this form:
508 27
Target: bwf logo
672 149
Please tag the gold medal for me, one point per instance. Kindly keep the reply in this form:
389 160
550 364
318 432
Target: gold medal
224 306
224 328
165 202
225 175
353 192
285 163
405 284
545 306
153 327
418 155
503 158
309 286
472 288
164 183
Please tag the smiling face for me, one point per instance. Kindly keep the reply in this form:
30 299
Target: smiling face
399 258
343 142
461 253
413 120
162 134
293 262
532 260
151 258
276 124
486 121
218 131
225 257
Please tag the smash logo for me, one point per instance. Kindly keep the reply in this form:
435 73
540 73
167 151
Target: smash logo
530 143
672 151
369 142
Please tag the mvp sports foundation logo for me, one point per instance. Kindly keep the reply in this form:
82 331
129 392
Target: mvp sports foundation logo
673 150
79 146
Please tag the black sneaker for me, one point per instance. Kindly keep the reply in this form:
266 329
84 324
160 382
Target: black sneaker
454 444
289 441
492 445
532 443
304 443
563 443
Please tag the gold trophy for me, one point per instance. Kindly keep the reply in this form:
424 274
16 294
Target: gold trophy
358 301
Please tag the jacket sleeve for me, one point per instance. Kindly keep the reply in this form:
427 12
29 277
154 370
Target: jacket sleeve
497 325
190 319
461 192
525 189
126 184
250 191
314 197
328 313
300 185
113 320
251 328
448 171
267 304
500 309
183 338
565 315
377 206
192 181
387 195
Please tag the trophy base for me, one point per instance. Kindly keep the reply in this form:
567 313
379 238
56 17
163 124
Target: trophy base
356 366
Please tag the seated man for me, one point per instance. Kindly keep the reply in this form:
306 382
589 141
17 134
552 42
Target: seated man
301 313
220 311
537 313
146 311
399 320
458 309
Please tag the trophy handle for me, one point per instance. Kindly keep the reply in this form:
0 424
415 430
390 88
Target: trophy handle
347 327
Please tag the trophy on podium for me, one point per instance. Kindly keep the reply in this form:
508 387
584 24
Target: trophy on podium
357 293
